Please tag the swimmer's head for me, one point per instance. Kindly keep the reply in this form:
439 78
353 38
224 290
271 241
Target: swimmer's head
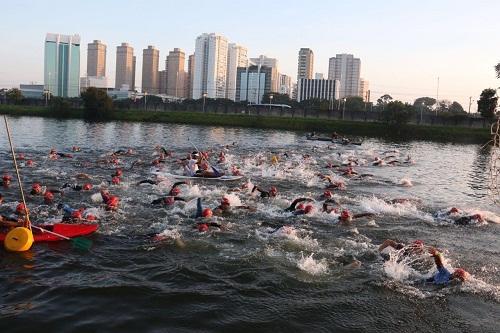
87 187
308 209
460 274
202 227
115 180
6 179
118 172
175 191
300 206
273 191
207 212
327 194
477 217
225 202
454 210
36 188
48 197
21 209
345 215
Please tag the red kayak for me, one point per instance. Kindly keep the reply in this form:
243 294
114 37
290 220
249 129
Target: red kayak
64 229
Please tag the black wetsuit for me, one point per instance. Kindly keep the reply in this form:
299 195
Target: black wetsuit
295 203
263 194
160 201
74 187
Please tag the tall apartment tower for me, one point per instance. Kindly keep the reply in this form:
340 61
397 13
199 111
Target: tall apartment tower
62 65
210 66
305 64
272 63
190 76
346 69
150 74
237 57
125 66
96 59
175 73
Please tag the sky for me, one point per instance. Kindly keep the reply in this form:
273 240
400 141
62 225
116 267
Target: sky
404 45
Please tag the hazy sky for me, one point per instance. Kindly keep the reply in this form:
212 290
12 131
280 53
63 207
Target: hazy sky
403 45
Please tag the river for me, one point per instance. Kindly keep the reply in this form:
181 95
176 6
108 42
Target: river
253 275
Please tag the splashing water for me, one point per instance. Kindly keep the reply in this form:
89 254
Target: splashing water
312 266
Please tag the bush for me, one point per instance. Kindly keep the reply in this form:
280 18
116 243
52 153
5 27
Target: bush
97 104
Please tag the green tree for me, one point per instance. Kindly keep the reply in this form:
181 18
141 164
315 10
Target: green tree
384 100
15 96
59 107
97 104
456 108
397 114
487 103
497 70
354 103
426 101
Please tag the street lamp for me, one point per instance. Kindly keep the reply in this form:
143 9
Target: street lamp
145 100
204 97
270 102
343 110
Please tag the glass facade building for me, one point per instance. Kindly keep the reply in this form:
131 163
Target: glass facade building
62 65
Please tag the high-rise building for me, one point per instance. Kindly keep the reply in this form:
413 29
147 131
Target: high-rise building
176 74
62 65
322 89
346 69
364 89
96 59
150 63
237 57
272 63
125 67
285 85
253 83
305 64
190 76
319 76
162 85
210 66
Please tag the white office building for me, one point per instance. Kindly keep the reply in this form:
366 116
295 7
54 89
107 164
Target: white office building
322 89
93 81
346 69
210 66
237 57
364 89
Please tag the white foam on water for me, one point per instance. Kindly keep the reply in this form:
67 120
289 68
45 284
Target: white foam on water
406 182
312 266
96 197
379 206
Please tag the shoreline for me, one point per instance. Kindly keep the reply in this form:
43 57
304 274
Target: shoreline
348 128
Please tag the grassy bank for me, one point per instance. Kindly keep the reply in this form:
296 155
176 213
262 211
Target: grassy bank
368 129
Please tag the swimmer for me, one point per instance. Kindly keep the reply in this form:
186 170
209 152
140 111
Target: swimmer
297 205
71 214
76 187
111 201
443 276
273 191
37 189
347 217
6 180
169 200
416 247
205 214
225 208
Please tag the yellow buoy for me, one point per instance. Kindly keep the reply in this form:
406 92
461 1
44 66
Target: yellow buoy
18 239
274 159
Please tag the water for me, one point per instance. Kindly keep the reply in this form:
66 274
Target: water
267 270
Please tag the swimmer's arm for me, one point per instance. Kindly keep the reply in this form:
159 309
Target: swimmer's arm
438 257
357 216
179 199
388 243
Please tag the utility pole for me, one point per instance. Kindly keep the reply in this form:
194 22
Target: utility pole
470 103
437 97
